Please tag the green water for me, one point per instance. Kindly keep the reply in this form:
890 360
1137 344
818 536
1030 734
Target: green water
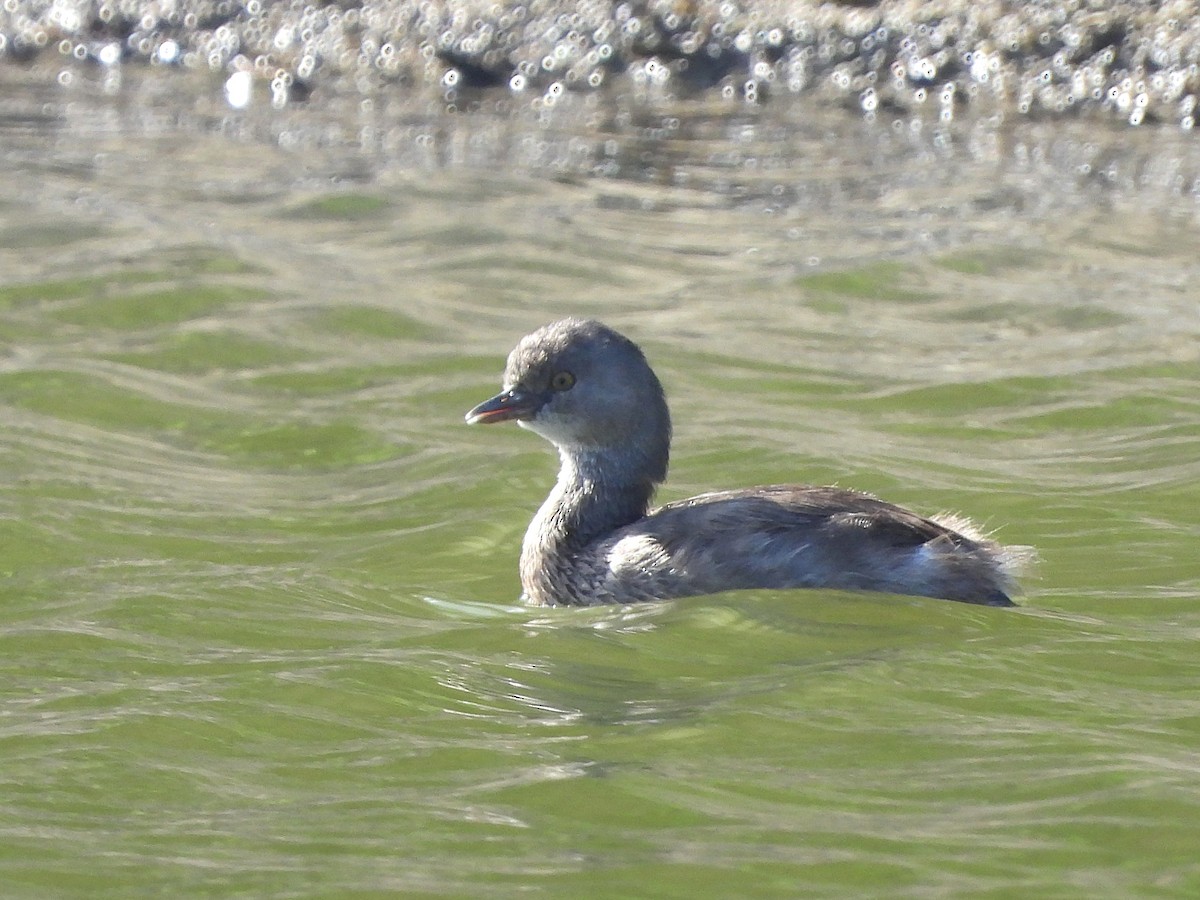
259 634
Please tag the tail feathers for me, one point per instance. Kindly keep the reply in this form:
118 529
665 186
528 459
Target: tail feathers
998 566
1014 562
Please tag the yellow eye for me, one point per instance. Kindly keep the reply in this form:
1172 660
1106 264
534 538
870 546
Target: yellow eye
562 381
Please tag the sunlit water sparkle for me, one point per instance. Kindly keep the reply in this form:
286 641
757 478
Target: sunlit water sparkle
260 633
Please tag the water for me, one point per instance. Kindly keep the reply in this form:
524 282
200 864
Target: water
260 635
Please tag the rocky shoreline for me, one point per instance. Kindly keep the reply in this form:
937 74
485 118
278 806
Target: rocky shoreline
1132 61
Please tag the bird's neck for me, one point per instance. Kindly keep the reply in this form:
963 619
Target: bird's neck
597 492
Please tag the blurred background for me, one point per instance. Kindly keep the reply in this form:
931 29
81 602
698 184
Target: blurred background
258 591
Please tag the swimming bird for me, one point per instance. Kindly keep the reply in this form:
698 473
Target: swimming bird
590 391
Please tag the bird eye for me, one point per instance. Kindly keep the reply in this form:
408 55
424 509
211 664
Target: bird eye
562 381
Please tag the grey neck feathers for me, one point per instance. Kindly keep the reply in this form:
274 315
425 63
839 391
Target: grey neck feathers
598 491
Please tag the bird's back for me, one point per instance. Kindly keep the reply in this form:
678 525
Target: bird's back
793 537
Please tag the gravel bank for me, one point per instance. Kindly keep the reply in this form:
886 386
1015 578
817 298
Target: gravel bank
1133 61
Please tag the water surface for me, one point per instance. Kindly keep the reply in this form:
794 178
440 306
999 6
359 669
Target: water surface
260 634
